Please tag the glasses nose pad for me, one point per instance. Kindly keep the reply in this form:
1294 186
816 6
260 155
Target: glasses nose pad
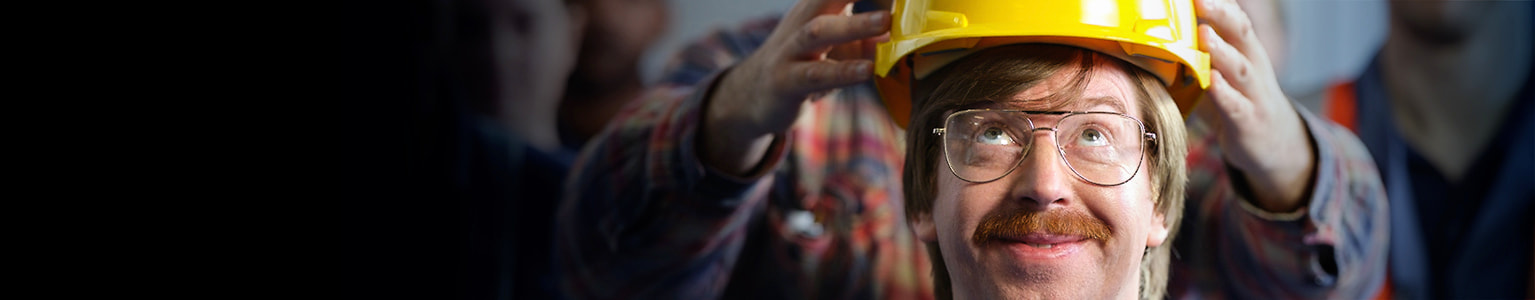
1039 154
1042 175
1053 150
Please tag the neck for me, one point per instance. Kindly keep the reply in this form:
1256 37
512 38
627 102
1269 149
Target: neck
1449 98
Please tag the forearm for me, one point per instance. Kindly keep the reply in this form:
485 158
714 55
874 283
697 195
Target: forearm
1333 245
1285 186
729 141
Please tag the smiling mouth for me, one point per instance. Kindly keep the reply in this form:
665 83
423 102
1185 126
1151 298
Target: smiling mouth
1041 240
1038 247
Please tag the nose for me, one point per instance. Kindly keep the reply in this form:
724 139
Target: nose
1042 178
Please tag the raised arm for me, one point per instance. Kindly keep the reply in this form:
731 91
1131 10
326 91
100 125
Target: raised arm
658 204
1290 205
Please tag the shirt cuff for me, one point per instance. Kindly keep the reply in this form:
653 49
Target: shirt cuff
1321 179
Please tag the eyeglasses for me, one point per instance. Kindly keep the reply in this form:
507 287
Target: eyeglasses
983 145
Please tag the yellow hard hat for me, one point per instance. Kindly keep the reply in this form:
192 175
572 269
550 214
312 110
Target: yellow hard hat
1158 36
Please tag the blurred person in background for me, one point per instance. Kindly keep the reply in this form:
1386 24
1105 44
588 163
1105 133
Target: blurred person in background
531 80
469 93
1447 110
766 166
498 66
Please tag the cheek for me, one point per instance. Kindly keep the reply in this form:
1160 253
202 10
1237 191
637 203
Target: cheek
960 206
555 53
1130 209
946 207
955 215
954 207
511 56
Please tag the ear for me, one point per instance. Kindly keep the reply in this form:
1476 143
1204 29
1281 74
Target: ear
924 228
1158 233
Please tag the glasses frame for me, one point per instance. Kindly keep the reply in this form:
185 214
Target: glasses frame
1150 137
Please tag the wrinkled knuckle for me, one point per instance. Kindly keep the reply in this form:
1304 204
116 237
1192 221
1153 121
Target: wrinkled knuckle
1243 72
1245 30
813 31
1218 11
859 72
848 73
811 77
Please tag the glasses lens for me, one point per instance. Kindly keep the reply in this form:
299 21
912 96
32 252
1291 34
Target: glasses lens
985 145
1103 148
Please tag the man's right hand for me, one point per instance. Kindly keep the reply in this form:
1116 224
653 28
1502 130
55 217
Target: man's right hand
817 47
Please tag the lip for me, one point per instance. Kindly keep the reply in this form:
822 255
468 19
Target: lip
1061 246
1045 238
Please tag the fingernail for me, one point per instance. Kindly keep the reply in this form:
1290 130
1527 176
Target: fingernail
878 19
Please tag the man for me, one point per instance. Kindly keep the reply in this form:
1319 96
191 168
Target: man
1446 109
768 180
1042 181
1244 239
497 80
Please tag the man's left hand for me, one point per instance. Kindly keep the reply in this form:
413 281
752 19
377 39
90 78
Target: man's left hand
1259 130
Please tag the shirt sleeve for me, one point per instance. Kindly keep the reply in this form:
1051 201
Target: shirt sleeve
1334 247
642 217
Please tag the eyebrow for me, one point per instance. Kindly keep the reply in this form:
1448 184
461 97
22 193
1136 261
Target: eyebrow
1110 101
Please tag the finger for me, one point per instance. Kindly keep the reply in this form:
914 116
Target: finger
861 49
805 10
871 45
1229 102
806 78
1224 57
1232 23
823 32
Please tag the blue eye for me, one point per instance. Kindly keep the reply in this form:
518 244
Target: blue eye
1092 137
993 136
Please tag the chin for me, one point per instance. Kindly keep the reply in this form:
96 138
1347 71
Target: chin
1067 276
1054 292
1073 270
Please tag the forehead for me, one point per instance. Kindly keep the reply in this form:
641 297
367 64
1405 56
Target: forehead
1107 88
